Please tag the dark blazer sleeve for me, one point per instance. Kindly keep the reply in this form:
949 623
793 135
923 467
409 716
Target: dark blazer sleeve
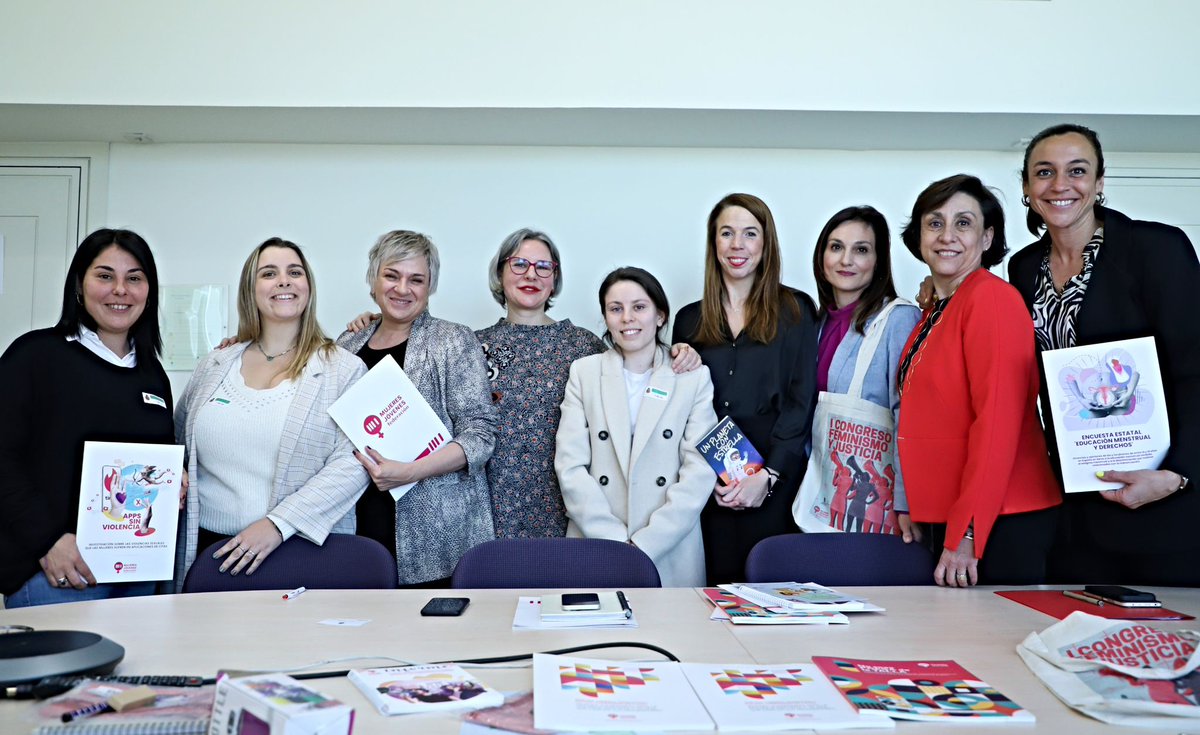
789 437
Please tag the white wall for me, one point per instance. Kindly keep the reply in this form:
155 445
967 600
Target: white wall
1057 56
204 207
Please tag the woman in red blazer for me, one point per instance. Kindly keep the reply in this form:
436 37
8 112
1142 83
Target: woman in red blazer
971 447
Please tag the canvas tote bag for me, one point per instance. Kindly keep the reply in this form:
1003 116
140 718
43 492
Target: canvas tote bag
854 468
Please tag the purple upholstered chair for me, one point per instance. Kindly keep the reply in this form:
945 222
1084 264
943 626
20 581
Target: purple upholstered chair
866 559
554 563
345 561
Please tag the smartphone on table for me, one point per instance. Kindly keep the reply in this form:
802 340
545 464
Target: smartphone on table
445 606
1112 594
574 601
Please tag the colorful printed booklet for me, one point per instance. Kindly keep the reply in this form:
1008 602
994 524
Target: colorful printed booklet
1108 408
402 690
741 611
585 695
128 510
385 411
729 452
797 596
931 691
779 697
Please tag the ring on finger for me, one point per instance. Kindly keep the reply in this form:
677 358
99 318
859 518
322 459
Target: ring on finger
63 581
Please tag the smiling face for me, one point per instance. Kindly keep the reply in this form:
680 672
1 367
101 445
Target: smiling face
1062 183
402 290
632 319
114 292
953 239
739 243
280 285
528 291
849 260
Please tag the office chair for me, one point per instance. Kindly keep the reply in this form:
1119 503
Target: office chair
554 562
839 559
345 561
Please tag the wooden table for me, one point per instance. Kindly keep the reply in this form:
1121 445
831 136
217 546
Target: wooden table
200 633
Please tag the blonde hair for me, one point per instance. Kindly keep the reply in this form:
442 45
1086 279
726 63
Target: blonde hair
311 339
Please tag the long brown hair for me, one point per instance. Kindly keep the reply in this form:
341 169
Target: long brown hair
762 312
881 289
311 338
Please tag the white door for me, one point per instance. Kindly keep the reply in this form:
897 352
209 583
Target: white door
39 230
1171 197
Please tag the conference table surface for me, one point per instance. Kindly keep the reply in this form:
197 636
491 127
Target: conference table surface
258 631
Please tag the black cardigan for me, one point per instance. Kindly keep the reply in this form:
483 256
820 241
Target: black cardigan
1145 282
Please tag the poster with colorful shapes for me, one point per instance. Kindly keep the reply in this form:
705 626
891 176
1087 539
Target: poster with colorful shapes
780 697
586 695
128 509
932 691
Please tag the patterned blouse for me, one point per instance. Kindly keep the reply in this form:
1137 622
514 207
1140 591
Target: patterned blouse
1054 313
528 368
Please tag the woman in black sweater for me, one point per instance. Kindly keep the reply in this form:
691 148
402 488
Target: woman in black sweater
93 376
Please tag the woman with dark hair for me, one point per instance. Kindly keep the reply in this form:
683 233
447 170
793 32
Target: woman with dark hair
852 264
627 460
1094 276
758 339
95 376
973 454
266 460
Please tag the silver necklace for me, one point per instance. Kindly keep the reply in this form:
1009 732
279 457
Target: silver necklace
271 358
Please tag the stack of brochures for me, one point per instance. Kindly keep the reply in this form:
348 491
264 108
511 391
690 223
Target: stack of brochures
402 690
546 612
784 603
587 695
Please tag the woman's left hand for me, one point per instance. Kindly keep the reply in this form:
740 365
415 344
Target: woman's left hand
958 568
246 551
684 359
184 484
748 493
1141 486
385 473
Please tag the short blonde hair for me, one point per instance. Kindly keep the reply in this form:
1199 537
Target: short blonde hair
400 245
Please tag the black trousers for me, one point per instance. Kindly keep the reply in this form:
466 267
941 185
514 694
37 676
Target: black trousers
1017 548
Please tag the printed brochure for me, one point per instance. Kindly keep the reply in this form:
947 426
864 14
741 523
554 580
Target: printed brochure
729 452
741 611
402 690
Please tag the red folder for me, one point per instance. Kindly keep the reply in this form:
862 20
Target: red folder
1055 604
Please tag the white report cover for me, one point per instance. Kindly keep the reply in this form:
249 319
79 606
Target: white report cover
385 411
129 509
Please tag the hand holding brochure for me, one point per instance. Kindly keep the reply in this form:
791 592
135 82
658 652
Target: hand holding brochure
386 411
729 452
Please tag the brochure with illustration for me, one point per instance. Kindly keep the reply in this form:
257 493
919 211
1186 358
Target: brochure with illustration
931 691
586 695
806 596
1108 408
729 452
403 690
778 697
128 510
741 611
385 411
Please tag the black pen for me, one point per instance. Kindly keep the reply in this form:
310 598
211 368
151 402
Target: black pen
1083 598
91 709
624 604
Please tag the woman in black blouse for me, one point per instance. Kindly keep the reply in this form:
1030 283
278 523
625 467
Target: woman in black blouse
1095 276
758 339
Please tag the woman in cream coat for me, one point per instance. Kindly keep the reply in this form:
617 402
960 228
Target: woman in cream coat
626 457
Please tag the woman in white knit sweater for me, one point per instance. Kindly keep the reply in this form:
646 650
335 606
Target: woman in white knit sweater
265 459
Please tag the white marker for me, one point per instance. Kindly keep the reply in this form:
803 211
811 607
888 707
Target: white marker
294 593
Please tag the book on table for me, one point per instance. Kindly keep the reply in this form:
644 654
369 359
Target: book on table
806 596
385 411
931 691
401 690
741 611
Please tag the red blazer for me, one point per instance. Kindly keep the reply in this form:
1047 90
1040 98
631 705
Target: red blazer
971 447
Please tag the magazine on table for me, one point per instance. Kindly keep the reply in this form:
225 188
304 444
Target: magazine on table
741 611
128 510
386 412
930 691
1108 408
806 596
729 452
402 690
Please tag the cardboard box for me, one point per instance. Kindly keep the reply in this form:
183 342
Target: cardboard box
276 704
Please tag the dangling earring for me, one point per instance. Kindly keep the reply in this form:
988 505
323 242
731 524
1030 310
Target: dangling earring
1025 200
78 299
1100 198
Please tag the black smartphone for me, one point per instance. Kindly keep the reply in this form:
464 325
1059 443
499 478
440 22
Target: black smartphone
445 606
1122 596
581 601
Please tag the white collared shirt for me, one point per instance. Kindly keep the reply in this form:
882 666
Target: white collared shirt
89 339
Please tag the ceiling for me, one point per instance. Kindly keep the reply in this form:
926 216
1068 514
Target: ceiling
581 127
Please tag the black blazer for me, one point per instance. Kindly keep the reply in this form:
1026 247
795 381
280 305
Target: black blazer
1145 282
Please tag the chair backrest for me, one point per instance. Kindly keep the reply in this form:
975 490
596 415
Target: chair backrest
344 561
839 559
554 562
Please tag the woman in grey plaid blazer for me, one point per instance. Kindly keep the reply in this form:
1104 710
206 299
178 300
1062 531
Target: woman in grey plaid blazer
449 510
